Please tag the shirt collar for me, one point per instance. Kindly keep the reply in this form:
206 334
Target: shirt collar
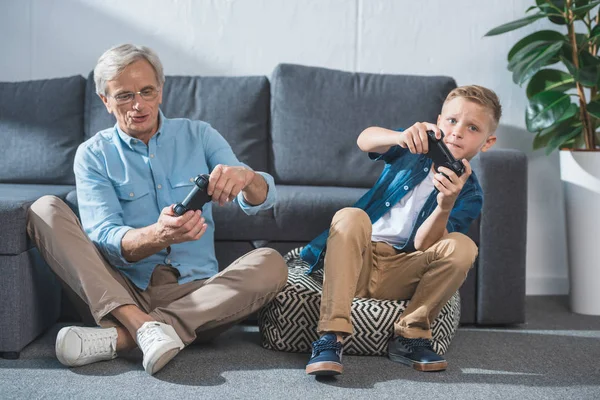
131 141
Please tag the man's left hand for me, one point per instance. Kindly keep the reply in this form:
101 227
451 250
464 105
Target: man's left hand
451 186
226 182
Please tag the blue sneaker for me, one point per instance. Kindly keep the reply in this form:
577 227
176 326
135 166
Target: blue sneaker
326 358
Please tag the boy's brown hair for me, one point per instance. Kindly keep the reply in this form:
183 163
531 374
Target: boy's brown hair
480 95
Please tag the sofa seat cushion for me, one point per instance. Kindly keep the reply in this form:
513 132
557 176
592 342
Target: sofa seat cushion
15 199
289 322
300 214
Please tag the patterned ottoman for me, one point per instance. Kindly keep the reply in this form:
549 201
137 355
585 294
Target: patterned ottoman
289 322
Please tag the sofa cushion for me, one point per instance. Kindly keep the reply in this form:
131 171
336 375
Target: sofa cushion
237 107
317 115
15 199
41 125
300 214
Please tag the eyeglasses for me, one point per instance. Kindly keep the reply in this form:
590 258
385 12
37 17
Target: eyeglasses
149 93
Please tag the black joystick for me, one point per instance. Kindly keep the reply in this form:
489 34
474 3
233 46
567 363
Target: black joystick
197 197
441 156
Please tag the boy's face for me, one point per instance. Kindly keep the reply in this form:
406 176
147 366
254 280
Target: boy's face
468 127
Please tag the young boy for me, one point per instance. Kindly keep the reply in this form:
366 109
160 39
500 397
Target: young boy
405 238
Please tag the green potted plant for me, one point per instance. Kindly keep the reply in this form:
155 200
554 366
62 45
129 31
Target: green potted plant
561 70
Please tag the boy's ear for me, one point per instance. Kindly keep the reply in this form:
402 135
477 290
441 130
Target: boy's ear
439 119
489 143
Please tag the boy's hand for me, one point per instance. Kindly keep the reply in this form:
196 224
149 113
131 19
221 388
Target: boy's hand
450 187
415 137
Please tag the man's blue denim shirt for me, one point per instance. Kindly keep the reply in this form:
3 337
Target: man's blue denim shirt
123 184
402 172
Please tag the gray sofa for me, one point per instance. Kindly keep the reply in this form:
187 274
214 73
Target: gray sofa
300 125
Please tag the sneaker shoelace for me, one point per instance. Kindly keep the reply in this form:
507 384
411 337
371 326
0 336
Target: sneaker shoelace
96 343
413 344
324 344
150 335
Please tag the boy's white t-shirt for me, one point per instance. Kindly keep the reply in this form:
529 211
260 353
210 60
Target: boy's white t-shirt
395 225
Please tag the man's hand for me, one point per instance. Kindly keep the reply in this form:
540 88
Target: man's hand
171 228
451 186
225 182
415 137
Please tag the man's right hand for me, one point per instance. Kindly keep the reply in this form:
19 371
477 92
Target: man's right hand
415 137
171 228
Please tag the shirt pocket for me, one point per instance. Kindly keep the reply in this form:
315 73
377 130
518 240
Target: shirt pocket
130 192
136 203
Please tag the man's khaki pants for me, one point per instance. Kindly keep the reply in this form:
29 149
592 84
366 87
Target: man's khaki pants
198 309
357 267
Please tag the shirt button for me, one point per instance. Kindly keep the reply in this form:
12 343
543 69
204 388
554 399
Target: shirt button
405 187
159 186
191 179
151 155
131 194
168 261
387 203
425 169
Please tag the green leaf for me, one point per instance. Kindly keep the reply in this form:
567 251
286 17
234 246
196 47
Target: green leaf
593 108
545 109
561 138
595 32
526 52
569 113
545 36
539 58
588 75
582 40
582 10
553 14
541 140
549 79
511 26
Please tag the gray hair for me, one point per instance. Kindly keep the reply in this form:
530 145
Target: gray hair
114 60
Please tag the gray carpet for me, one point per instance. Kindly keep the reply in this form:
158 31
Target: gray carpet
555 355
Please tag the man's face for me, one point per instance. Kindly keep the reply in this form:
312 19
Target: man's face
139 117
468 127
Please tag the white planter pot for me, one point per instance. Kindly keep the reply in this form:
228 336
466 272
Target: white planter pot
580 173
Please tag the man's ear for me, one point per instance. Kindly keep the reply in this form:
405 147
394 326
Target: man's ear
105 101
489 143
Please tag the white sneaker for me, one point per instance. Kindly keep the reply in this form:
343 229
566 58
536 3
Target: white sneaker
76 345
160 343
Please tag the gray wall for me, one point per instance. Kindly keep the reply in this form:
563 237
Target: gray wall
52 38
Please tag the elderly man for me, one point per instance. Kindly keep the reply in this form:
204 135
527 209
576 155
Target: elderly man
150 277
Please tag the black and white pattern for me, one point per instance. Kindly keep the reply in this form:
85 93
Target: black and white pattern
289 322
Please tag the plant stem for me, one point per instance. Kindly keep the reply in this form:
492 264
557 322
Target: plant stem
588 133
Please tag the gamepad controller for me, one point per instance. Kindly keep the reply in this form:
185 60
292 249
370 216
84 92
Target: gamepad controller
197 197
441 156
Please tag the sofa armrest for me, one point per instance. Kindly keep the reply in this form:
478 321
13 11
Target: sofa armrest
503 237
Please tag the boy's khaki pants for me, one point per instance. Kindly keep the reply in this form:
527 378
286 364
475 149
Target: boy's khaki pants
198 309
357 267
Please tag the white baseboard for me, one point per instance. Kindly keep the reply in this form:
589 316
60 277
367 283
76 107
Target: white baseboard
547 285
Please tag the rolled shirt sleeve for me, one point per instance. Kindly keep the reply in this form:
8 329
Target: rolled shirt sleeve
464 212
